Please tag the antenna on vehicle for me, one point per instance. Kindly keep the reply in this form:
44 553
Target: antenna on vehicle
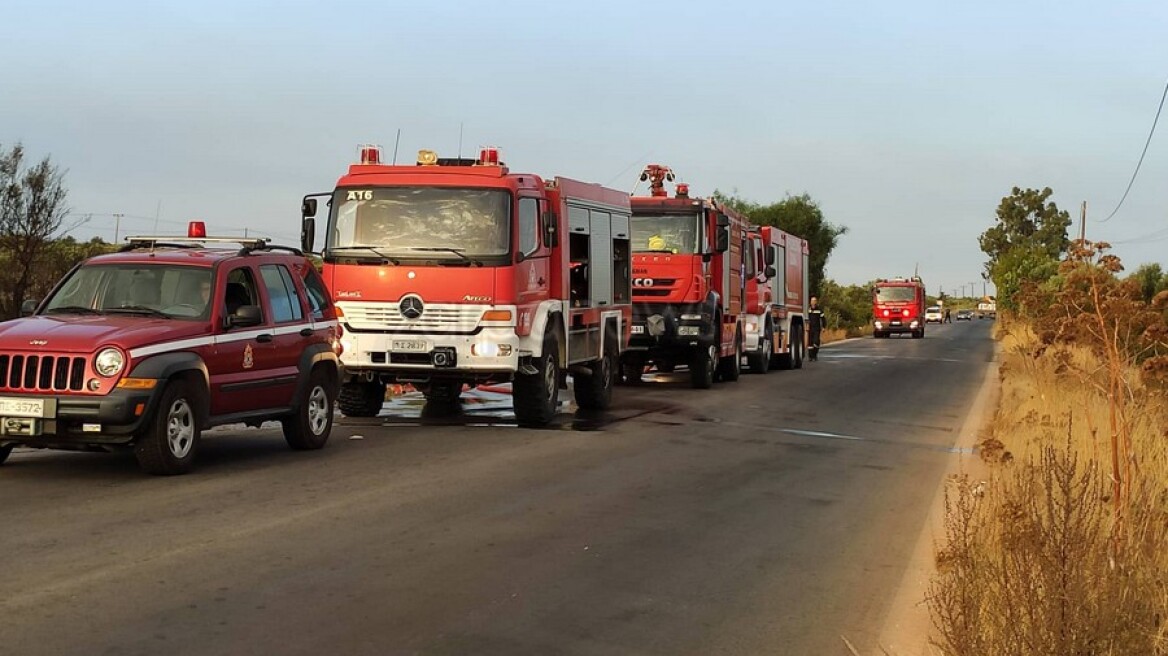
460 140
396 141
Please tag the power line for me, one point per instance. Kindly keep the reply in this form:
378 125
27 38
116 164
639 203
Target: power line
1140 163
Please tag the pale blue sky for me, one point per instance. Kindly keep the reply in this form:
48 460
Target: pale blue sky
908 121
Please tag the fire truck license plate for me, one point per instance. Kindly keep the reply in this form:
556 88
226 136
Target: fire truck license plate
10 407
638 330
410 345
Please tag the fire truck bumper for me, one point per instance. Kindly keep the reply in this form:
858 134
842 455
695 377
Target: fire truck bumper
906 326
671 326
489 351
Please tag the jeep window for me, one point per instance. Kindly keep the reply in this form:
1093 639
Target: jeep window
666 233
444 223
241 290
285 304
318 296
177 292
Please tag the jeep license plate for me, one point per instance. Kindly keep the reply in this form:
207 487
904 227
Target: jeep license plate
638 330
410 345
10 407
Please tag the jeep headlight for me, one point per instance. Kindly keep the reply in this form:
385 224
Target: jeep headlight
109 362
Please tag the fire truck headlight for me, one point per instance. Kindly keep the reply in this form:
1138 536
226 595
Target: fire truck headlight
691 317
109 362
484 349
751 327
915 324
879 325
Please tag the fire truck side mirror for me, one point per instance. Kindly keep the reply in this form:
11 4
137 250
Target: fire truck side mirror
768 257
769 272
551 236
307 233
722 242
308 208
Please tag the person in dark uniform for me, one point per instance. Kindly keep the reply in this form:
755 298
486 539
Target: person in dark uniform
814 328
948 316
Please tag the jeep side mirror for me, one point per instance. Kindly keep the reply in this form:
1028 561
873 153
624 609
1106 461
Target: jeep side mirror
551 237
29 307
770 272
244 316
722 242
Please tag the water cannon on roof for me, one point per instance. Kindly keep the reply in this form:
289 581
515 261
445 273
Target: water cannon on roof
657 175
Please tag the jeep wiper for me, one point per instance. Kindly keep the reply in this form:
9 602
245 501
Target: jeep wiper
72 309
139 309
371 249
446 249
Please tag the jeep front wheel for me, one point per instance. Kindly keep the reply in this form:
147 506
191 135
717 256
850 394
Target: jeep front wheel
171 439
311 423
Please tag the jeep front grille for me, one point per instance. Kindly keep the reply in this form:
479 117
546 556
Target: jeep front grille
41 373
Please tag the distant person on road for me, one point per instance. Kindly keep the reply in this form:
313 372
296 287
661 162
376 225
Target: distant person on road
948 316
814 328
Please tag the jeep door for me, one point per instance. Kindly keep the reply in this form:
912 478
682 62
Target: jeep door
244 361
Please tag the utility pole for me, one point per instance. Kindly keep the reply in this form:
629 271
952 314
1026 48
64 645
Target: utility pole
971 289
1083 223
117 226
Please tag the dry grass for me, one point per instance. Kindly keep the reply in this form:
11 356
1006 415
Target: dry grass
1045 558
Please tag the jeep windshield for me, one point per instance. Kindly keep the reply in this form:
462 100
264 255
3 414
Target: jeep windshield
455 226
147 290
896 294
666 233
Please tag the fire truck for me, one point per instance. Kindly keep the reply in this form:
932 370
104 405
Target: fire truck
456 271
898 306
689 284
776 297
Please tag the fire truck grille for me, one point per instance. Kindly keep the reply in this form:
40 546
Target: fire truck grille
41 373
435 318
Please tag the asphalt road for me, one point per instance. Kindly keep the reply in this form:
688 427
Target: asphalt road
768 516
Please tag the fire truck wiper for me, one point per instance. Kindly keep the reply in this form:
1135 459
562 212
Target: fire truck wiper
371 249
447 249
73 309
657 250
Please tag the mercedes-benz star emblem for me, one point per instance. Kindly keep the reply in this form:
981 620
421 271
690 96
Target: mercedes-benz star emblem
410 307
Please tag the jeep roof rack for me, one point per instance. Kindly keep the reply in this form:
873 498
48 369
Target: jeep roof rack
248 244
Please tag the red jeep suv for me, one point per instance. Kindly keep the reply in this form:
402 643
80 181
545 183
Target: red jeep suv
146 347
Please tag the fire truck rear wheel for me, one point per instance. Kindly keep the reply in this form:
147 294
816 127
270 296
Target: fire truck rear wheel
797 349
362 399
537 397
701 369
595 391
730 368
171 440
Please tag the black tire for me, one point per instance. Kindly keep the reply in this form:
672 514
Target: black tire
918 334
759 361
595 392
446 392
171 438
730 369
665 367
537 396
309 426
702 366
5 451
797 349
361 399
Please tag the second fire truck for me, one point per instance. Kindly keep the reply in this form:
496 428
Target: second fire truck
776 299
459 271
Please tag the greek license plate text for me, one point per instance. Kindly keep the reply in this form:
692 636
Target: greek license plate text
638 330
10 407
410 345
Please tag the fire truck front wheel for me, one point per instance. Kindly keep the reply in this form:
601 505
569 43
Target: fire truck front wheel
536 396
759 361
361 399
701 368
730 368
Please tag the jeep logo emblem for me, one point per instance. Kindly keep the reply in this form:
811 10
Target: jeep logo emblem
411 307
38 342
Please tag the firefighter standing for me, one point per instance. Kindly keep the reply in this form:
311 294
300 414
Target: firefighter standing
814 328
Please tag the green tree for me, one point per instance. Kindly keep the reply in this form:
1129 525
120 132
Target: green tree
799 215
1151 279
1026 241
32 209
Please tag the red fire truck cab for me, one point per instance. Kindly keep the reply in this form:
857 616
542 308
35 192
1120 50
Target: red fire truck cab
898 307
688 284
459 271
776 300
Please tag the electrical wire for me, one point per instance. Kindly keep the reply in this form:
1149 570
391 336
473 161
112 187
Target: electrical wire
1140 163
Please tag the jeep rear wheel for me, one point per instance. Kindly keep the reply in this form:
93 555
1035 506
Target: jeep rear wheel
361 399
310 425
536 397
171 440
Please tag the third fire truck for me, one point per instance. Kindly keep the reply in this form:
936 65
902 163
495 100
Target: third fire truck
898 306
776 299
689 286
458 271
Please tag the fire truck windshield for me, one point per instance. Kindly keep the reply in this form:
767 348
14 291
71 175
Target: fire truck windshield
421 222
895 294
666 233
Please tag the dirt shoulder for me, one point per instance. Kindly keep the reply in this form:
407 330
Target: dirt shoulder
907 627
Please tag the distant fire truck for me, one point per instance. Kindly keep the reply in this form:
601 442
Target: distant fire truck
898 306
689 284
459 271
776 300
